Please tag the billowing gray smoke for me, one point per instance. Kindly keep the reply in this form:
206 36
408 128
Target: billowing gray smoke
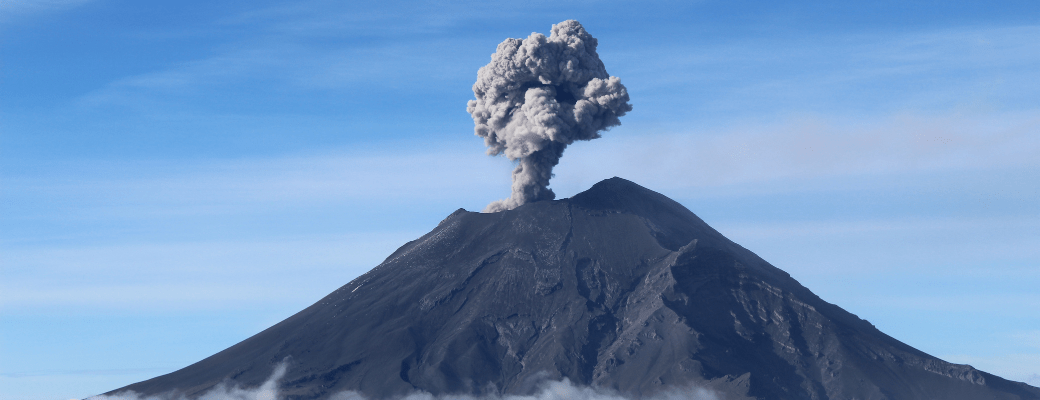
539 95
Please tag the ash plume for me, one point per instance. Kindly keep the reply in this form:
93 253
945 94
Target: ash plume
539 95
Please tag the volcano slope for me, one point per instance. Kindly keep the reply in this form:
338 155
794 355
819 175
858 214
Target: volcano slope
616 287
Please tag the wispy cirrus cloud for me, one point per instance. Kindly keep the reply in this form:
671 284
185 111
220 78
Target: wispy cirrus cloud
61 372
33 6
1028 338
806 148
167 198
345 49
753 159
206 187
165 276
980 69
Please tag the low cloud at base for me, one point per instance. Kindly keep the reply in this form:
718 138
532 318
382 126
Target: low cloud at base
548 390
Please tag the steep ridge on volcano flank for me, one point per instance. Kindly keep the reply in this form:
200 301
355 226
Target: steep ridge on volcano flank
618 287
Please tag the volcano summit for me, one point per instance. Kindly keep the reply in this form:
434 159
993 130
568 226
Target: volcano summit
618 287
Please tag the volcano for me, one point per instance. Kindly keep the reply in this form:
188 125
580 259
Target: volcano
618 287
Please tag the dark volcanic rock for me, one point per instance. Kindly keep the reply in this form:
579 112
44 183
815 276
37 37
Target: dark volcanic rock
618 287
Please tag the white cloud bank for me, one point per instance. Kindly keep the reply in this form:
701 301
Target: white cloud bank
267 391
550 390
553 390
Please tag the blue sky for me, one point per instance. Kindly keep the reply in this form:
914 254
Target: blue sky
177 176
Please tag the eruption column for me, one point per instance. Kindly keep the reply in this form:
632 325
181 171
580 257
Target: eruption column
539 95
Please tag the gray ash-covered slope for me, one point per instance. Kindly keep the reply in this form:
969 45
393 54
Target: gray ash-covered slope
618 287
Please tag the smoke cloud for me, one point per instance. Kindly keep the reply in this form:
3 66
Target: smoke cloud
539 95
